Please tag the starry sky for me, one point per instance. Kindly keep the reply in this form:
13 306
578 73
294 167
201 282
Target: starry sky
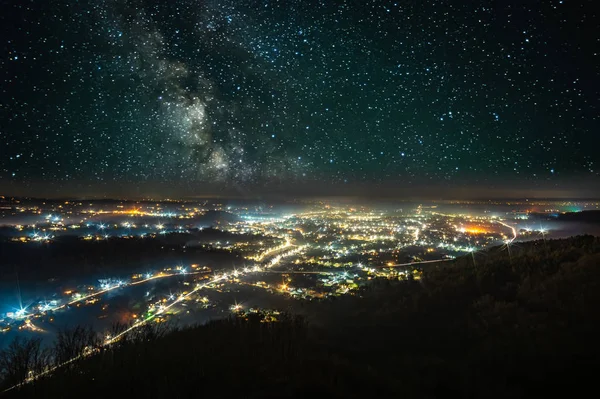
191 96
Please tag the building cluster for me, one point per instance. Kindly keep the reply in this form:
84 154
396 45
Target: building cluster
314 252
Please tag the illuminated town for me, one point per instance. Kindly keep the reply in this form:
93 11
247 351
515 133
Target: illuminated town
282 254
347 199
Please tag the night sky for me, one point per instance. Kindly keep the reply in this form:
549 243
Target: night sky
241 95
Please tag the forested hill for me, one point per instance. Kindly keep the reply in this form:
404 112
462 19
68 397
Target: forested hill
492 325
498 325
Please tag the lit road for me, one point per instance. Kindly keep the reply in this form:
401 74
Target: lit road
178 300
294 272
181 298
156 276
114 287
272 251
417 263
513 229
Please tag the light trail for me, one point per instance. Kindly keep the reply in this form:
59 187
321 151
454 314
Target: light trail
416 263
138 324
294 272
268 252
181 298
113 339
514 231
162 310
160 275
124 285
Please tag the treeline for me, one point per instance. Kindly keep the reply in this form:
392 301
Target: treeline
235 357
26 359
492 325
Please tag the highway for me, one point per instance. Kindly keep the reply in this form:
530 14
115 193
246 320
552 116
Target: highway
114 287
416 263
222 277
294 272
512 228
178 300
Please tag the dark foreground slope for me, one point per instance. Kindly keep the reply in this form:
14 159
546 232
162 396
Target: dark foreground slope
521 327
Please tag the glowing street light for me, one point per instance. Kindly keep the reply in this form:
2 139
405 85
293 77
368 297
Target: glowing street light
508 244
472 250
236 307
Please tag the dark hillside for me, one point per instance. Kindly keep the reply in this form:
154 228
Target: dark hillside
490 327
503 327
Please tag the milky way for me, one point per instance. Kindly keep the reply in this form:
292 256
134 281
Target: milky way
247 92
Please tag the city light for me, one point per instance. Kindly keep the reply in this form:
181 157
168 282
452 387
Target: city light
386 244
